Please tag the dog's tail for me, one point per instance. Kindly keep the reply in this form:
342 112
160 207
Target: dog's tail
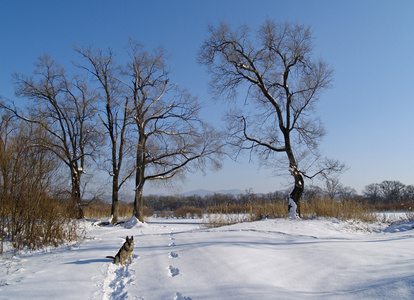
111 257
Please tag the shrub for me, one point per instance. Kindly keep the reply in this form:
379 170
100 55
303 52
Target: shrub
29 217
38 222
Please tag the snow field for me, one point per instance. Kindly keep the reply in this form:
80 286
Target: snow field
269 259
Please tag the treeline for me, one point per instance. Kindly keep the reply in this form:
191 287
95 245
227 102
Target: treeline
171 203
387 194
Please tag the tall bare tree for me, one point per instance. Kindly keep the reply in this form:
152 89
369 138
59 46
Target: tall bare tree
64 108
283 81
170 137
114 115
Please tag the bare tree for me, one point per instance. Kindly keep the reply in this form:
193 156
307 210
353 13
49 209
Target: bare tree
64 108
283 80
409 193
393 191
373 193
347 193
114 116
170 138
312 192
332 187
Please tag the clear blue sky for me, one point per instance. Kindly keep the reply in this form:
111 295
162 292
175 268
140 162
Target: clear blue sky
368 114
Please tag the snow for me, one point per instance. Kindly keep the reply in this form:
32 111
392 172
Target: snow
268 259
292 209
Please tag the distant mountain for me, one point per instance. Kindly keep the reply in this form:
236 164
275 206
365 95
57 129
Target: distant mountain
202 192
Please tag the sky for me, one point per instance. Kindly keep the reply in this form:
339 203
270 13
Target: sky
368 113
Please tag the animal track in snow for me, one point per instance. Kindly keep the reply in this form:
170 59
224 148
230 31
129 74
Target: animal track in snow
179 296
173 255
172 272
172 244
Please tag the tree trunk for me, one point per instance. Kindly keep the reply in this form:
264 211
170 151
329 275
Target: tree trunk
76 194
140 180
297 192
139 205
115 203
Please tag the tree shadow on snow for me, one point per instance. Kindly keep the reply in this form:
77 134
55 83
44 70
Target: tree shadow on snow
88 261
97 260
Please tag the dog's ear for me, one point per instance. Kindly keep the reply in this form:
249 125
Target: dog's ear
126 238
132 237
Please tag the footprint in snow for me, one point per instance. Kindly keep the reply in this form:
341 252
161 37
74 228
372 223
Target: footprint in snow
172 272
172 244
173 255
179 296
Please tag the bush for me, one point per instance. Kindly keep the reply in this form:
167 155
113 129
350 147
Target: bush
36 223
29 217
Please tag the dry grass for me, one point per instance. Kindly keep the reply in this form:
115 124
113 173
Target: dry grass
319 207
102 210
98 210
188 212
227 214
404 206
342 210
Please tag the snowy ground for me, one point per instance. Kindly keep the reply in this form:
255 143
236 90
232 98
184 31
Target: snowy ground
269 259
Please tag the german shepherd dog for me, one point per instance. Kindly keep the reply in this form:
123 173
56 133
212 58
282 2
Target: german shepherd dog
124 253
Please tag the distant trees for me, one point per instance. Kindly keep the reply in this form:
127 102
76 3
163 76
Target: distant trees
171 203
283 81
388 191
334 189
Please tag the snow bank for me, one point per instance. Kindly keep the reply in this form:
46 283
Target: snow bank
133 223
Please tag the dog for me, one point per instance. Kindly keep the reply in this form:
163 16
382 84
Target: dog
124 253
